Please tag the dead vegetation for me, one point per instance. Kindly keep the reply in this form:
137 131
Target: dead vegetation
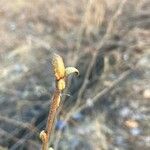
107 106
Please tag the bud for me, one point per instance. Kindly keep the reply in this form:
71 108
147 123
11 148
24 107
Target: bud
43 136
58 66
71 70
61 84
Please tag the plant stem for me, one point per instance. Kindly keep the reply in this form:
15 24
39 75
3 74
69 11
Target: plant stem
51 117
60 73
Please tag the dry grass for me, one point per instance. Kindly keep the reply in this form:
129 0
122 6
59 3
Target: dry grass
94 16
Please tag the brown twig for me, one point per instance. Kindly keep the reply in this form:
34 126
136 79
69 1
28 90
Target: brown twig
61 74
52 113
51 117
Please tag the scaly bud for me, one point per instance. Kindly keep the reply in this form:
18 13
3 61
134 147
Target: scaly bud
43 136
71 70
58 67
61 84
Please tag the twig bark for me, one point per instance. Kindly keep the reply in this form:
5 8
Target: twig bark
51 117
61 74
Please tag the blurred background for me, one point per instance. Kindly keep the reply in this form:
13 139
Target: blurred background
107 106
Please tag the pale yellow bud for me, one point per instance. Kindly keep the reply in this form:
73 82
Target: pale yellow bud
43 136
61 84
58 66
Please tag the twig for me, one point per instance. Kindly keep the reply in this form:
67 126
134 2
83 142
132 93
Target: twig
19 124
27 136
122 77
8 136
51 117
61 74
